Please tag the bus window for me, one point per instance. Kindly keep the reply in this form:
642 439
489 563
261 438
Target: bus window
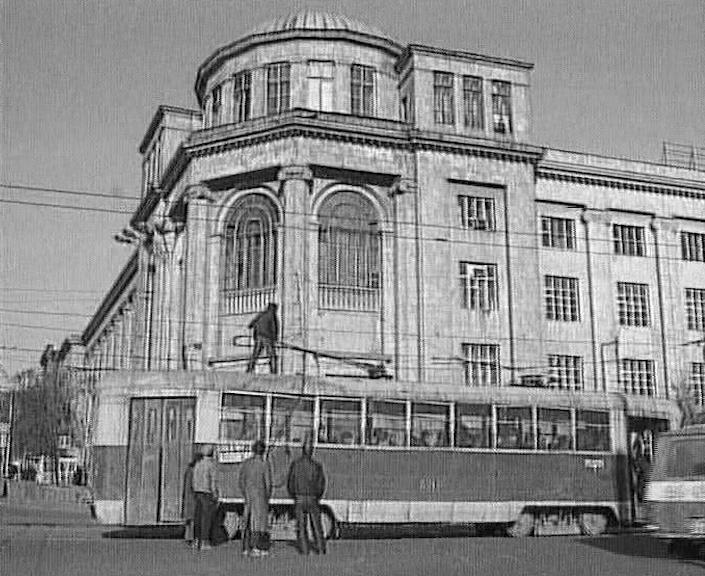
292 419
340 422
687 458
592 430
430 425
242 417
515 428
554 429
473 426
386 423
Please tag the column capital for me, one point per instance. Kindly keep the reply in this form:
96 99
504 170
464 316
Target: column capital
403 185
295 172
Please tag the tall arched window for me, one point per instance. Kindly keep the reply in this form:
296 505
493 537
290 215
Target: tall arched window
250 255
348 253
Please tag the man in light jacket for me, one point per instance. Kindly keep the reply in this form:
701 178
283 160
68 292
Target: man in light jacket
255 483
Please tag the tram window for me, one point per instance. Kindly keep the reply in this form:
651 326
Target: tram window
292 419
554 429
386 423
339 422
687 458
473 426
592 430
242 417
429 425
515 428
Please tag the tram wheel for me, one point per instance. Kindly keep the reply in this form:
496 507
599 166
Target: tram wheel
523 526
593 523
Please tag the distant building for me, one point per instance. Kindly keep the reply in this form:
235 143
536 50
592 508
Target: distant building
391 199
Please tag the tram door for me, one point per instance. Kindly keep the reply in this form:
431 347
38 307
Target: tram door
159 449
642 439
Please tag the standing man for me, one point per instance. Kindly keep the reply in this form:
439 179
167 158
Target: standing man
205 489
265 331
256 486
306 484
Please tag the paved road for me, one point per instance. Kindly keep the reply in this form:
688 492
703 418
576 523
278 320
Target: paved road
53 548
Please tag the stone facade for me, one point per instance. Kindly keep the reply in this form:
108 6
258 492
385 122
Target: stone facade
412 138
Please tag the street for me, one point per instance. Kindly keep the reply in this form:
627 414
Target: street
52 543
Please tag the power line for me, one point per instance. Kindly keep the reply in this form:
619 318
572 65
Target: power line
65 191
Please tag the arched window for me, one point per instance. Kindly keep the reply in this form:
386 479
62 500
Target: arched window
348 253
250 255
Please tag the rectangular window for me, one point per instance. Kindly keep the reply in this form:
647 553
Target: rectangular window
339 422
554 429
476 212
292 420
697 382
592 431
278 88
686 459
216 105
443 101
566 372
481 364
558 233
241 96
515 428
637 376
472 102
362 90
502 107
473 426
386 423
478 286
633 304
242 418
430 424
628 240
693 246
561 297
695 308
320 85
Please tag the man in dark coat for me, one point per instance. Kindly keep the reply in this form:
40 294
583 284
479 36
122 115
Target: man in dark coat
204 481
255 483
265 331
306 484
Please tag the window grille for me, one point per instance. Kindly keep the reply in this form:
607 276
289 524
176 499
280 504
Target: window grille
628 240
478 286
637 376
695 308
362 90
278 85
633 304
476 213
561 297
472 102
241 96
502 107
558 232
697 382
566 372
693 246
481 364
443 101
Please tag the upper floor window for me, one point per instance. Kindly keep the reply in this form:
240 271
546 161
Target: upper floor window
633 304
476 212
502 107
481 364
241 96
697 382
349 259
566 371
561 295
628 240
558 232
216 105
637 376
478 286
693 246
362 90
443 101
695 308
320 85
249 270
473 116
278 85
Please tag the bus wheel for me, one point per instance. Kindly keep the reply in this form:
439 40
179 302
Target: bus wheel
593 523
523 526
328 524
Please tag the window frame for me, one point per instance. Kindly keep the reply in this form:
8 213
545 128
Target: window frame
242 96
484 372
695 309
561 298
444 97
692 246
473 102
637 376
278 88
479 293
633 304
483 209
558 232
502 114
567 372
359 439
363 90
629 240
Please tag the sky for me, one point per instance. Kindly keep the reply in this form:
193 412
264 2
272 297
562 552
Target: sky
82 79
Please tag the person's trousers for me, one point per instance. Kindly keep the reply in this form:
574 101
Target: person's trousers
268 346
204 515
306 507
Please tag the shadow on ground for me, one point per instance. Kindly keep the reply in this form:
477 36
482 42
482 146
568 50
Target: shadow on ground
648 547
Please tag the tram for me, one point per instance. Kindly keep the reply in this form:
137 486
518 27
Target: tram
536 461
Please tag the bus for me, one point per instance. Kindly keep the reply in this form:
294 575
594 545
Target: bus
675 493
536 461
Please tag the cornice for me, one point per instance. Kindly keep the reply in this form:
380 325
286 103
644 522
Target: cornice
460 55
623 179
157 120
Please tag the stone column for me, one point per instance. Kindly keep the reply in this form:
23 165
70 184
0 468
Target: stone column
294 278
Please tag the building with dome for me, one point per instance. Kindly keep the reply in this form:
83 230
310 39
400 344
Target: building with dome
391 200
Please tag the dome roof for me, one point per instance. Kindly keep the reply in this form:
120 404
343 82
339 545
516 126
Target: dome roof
314 20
